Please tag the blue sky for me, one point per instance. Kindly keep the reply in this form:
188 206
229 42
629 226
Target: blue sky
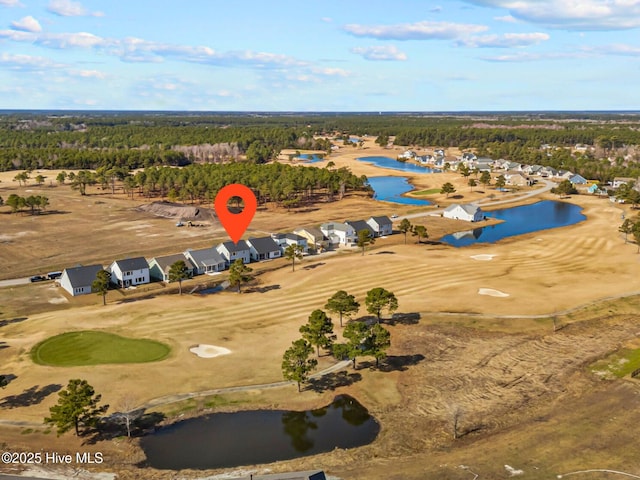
417 55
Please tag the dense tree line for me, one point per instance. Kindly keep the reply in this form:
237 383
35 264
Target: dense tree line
274 182
136 140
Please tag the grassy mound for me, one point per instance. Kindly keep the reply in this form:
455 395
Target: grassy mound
94 348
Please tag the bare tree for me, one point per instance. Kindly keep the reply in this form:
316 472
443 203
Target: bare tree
129 413
456 413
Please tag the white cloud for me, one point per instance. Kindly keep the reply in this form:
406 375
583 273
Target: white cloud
27 24
90 74
69 8
380 53
572 14
27 62
425 30
532 57
615 49
506 19
327 19
507 40
11 3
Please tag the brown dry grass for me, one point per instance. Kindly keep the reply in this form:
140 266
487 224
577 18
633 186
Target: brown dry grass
517 382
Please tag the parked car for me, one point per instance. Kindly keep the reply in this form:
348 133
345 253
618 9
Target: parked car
394 216
37 278
54 275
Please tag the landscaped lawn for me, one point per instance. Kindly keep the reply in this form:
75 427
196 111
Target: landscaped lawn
94 348
431 191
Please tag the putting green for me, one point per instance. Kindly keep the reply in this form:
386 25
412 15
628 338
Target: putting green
74 349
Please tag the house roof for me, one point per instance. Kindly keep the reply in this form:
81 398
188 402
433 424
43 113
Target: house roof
359 225
264 244
235 247
342 227
289 236
383 220
165 262
467 207
82 276
137 263
313 231
205 257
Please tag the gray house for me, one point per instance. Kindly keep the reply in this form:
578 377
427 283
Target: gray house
159 266
232 251
358 225
381 225
78 280
206 260
263 248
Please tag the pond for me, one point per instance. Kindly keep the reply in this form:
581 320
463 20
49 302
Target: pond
386 162
518 221
390 189
311 157
223 440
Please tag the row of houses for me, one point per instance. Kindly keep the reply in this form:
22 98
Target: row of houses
131 272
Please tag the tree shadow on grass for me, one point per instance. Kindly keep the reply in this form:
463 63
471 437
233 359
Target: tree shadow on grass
331 381
262 289
314 265
4 323
31 396
400 363
412 318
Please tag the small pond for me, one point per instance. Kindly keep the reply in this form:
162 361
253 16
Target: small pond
518 221
386 162
223 440
311 157
390 189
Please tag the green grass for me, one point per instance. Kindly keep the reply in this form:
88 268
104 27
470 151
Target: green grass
430 191
94 348
621 363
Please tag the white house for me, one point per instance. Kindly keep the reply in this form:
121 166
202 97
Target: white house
232 251
263 248
78 280
285 239
467 212
206 260
338 233
129 272
381 225
409 154
619 181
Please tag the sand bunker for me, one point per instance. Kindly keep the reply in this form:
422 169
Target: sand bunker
484 257
209 351
491 292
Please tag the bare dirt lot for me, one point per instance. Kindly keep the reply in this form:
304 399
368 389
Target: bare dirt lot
524 393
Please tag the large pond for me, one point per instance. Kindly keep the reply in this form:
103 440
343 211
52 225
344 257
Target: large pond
390 189
386 162
518 221
223 440
311 157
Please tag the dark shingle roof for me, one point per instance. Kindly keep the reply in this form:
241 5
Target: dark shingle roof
383 220
165 262
205 256
137 263
360 225
82 276
236 247
289 236
264 244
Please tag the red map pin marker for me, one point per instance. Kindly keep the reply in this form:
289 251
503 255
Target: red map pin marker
235 223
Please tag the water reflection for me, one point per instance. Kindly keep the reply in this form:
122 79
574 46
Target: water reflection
518 221
223 440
